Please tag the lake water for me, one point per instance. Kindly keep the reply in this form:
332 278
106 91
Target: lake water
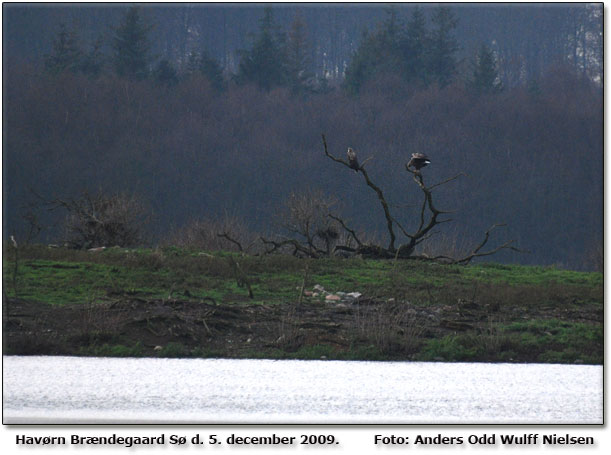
113 390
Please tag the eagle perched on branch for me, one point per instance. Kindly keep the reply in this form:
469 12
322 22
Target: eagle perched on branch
418 161
352 161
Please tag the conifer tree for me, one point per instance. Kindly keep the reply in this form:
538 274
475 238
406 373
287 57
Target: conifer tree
414 47
443 47
362 65
212 70
485 76
165 73
93 62
131 46
66 54
379 53
265 62
207 66
298 61
392 38
193 62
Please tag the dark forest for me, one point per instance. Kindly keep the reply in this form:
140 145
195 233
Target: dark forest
214 114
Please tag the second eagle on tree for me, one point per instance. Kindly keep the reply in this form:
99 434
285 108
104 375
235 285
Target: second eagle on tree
418 161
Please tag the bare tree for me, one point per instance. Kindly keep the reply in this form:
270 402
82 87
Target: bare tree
429 218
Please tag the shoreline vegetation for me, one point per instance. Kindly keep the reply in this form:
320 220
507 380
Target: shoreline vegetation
182 303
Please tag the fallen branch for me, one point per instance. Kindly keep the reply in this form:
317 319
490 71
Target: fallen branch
297 247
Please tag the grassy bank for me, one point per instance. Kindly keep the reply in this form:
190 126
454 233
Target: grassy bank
179 303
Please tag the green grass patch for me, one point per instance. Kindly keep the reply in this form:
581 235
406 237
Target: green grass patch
116 350
450 348
545 341
60 276
554 340
529 275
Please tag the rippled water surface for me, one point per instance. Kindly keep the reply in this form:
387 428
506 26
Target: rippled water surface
87 390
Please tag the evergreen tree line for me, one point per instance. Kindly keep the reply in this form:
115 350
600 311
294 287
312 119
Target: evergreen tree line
274 59
130 55
410 50
526 39
418 55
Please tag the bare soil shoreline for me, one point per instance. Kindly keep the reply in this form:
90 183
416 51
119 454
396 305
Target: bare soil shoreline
364 330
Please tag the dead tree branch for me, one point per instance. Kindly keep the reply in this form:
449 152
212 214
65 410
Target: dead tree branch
476 252
425 227
347 229
378 191
430 188
226 236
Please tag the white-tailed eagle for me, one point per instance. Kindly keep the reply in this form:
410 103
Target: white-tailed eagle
418 161
352 161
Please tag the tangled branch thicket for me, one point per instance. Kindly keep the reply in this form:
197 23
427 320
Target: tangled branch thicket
229 233
307 226
99 219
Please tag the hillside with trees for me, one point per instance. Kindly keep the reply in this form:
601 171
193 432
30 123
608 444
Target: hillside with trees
212 115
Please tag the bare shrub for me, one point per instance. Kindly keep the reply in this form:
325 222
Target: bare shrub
310 230
389 326
228 234
98 322
99 219
490 340
289 336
